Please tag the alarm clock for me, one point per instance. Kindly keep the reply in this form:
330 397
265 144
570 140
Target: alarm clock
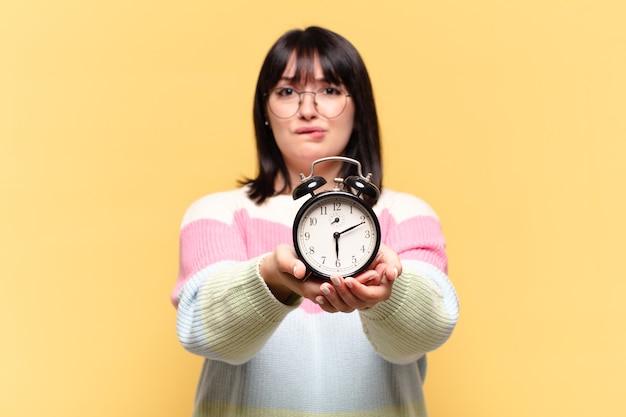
336 232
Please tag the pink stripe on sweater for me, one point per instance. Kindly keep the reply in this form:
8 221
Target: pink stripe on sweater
204 242
417 238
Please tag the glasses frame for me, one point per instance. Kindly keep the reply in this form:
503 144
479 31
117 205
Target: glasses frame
299 93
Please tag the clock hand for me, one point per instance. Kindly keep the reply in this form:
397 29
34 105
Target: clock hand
336 235
352 227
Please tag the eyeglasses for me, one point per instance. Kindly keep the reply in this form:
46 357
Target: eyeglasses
284 102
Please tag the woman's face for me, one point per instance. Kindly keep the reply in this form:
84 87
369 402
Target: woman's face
307 135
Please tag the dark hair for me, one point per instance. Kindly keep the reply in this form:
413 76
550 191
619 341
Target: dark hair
341 64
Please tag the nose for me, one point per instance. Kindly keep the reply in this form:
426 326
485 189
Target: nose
307 107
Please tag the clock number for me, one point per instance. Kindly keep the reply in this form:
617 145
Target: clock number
311 250
312 221
354 259
307 236
323 210
368 234
338 263
323 260
363 249
337 206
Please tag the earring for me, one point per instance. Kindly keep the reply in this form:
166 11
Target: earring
267 123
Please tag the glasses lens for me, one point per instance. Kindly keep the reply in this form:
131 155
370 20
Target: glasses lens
330 102
284 102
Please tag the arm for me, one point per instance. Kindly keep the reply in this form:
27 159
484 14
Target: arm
418 317
225 310
422 310
227 313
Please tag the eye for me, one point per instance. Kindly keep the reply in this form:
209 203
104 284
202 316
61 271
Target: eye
330 91
284 91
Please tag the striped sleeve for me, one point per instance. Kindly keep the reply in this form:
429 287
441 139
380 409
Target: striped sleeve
225 311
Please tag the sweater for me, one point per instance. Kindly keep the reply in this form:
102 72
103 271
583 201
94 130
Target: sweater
264 358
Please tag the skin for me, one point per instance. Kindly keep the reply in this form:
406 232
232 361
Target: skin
302 139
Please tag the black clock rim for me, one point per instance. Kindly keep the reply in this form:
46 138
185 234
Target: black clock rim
315 199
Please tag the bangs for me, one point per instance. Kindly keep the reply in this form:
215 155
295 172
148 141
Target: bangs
306 47
305 57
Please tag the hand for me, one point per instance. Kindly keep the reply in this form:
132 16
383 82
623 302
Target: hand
337 235
364 290
349 228
285 275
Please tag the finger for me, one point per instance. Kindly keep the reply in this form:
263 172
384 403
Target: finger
391 273
287 261
392 261
370 295
299 270
379 257
371 276
343 288
333 293
387 271
361 299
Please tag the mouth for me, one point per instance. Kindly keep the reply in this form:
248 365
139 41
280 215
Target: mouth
313 131
309 129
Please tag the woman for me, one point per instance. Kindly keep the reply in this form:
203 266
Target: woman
272 348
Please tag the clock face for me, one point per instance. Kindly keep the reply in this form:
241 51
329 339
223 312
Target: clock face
335 232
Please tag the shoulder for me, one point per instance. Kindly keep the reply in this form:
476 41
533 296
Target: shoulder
217 206
402 205
225 206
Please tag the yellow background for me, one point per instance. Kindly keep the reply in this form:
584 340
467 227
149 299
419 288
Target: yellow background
509 117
